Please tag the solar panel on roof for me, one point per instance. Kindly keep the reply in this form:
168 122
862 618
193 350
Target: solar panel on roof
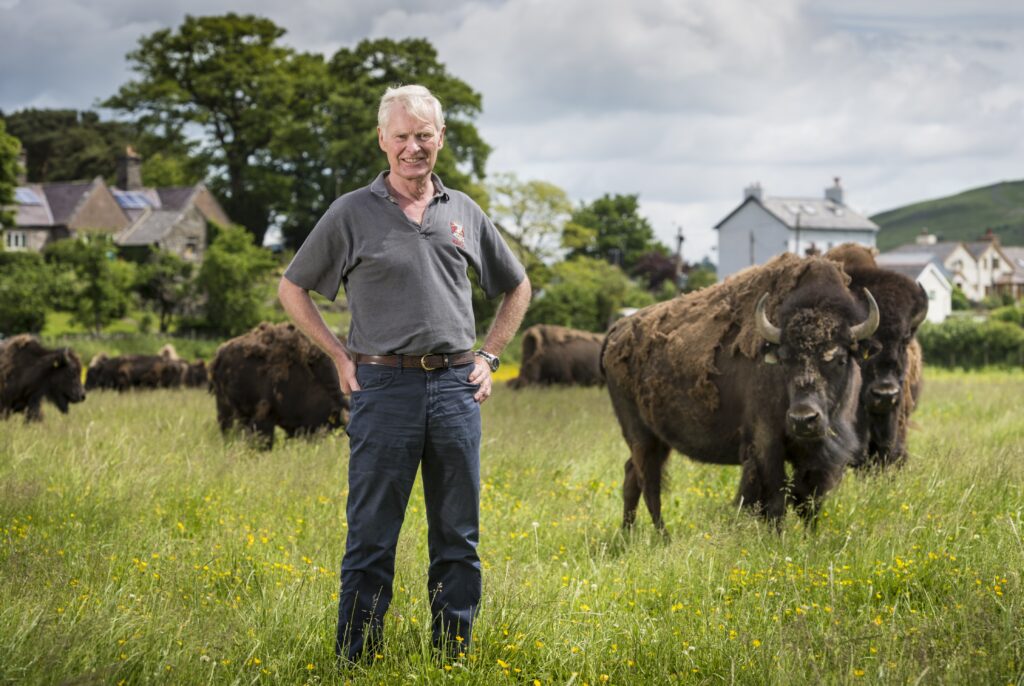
26 196
131 200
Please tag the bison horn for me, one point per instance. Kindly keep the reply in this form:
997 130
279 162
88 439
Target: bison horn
916 321
768 331
867 327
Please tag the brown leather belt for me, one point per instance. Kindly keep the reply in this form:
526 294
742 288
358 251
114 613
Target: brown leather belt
428 362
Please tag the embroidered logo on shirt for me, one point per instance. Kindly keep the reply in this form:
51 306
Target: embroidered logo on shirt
458 235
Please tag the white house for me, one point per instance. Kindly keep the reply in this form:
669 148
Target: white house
928 271
763 226
979 268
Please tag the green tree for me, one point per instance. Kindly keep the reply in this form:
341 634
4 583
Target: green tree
163 282
700 277
611 229
24 293
532 211
101 287
585 293
233 278
959 299
9 150
230 78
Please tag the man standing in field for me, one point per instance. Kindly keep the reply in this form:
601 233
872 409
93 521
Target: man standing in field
401 246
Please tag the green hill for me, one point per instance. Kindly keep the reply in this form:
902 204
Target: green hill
962 217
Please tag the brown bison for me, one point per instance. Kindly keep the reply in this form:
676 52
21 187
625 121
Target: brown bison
126 372
559 355
891 361
710 375
30 372
275 376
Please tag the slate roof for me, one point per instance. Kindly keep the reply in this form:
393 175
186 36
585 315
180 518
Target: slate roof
36 212
64 198
940 250
815 213
176 197
911 263
150 227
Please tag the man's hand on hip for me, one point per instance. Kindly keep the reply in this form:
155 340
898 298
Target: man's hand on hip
481 376
346 373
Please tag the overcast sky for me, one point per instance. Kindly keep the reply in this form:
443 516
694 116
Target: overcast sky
682 101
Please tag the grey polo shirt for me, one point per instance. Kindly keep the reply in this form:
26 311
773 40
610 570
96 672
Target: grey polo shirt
407 284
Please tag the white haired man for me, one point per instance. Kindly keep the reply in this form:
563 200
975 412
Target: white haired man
402 247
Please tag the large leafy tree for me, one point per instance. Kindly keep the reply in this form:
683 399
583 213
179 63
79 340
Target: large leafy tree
68 145
611 229
9 149
229 77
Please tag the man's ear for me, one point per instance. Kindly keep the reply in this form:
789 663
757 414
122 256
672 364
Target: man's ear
380 139
440 137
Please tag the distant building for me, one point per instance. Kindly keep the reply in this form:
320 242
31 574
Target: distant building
139 218
928 271
764 226
978 268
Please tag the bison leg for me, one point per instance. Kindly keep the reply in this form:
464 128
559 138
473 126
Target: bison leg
34 410
630 495
762 482
809 488
652 456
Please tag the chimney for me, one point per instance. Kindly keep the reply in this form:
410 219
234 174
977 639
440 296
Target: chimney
835 193
753 191
22 178
129 170
925 238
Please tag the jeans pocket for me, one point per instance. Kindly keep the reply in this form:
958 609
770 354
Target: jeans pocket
373 377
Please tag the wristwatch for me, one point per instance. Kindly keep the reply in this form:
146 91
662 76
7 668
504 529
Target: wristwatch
492 360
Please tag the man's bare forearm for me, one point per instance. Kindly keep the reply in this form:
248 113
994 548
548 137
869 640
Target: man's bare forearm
508 318
304 314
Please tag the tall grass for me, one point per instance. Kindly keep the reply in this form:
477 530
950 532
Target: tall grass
138 546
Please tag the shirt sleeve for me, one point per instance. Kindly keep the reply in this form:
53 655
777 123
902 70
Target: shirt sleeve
320 262
500 270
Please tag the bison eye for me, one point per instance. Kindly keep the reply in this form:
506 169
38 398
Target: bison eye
830 354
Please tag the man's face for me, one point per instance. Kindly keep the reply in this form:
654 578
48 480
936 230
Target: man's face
411 144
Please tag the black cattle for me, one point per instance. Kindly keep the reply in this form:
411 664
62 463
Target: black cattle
30 372
274 376
127 372
559 355
709 375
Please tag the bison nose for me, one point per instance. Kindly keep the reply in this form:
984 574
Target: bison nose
806 422
885 395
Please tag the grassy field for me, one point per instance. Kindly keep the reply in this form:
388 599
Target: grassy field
137 546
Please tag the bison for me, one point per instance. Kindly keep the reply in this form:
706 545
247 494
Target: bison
30 372
125 372
274 376
891 360
559 355
710 375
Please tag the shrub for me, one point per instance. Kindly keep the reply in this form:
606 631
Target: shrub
91 282
233 278
962 342
585 293
24 293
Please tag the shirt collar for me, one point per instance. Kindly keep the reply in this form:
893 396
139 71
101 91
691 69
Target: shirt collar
380 189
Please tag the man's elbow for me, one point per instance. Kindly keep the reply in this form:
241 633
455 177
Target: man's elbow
287 290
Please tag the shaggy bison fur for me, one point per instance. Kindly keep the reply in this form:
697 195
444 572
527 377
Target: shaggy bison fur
711 375
30 372
559 355
126 372
275 376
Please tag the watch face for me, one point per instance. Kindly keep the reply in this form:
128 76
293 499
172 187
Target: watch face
494 362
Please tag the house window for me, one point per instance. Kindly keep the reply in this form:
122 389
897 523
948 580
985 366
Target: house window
17 240
995 263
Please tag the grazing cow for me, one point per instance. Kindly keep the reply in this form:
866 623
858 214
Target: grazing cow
559 355
196 375
710 375
30 372
275 376
891 360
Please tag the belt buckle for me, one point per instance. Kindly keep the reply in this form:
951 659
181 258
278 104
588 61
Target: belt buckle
423 363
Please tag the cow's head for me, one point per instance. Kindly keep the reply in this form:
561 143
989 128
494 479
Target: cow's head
814 342
64 379
884 357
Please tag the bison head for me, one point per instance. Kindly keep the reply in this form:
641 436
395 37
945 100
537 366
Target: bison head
814 343
884 360
64 380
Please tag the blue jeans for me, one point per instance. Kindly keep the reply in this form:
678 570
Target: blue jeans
403 418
